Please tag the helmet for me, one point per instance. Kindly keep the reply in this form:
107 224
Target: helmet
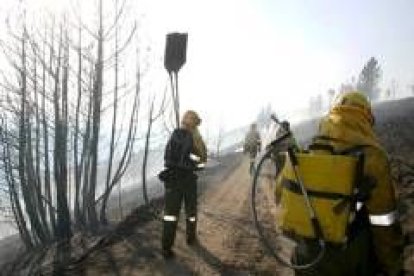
358 100
191 119
354 98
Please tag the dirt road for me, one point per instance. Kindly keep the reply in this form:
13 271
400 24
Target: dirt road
227 231
228 243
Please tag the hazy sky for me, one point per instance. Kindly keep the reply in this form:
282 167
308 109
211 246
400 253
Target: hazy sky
243 54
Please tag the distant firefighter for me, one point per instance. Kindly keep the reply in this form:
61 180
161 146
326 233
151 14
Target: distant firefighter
252 145
278 156
185 153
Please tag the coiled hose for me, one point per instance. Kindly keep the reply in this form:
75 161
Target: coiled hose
259 227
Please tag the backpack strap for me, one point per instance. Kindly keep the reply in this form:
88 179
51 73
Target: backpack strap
327 138
363 183
356 151
363 187
317 145
324 147
295 188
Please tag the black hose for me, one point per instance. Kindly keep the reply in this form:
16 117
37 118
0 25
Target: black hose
260 229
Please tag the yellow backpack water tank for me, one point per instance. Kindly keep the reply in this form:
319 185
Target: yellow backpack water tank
330 181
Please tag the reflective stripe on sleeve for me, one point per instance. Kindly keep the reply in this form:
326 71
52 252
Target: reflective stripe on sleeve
195 157
192 219
170 218
359 205
384 219
201 165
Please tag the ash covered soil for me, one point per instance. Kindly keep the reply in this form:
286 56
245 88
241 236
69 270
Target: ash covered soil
228 242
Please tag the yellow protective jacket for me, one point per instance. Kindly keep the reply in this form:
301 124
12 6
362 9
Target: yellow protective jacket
349 126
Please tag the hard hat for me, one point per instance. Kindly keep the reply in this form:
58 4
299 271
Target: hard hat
191 119
354 98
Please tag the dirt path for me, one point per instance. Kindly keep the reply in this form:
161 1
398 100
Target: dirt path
228 243
226 228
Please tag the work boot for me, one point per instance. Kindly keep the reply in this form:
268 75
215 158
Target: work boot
168 234
191 228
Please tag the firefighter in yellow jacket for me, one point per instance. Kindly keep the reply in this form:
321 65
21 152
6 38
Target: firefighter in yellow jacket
376 244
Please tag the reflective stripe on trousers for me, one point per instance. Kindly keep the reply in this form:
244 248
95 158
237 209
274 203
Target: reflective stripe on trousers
170 218
386 219
192 219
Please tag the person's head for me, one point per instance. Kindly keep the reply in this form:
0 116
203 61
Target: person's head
356 100
285 125
253 126
190 120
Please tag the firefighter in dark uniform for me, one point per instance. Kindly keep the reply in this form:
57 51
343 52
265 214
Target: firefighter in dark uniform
185 153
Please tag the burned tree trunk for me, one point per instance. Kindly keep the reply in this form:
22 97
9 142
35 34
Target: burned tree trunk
60 162
151 119
13 192
77 167
146 152
45 124
96 122
103 217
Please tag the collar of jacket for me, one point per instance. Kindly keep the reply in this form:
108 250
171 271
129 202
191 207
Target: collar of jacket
188 128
